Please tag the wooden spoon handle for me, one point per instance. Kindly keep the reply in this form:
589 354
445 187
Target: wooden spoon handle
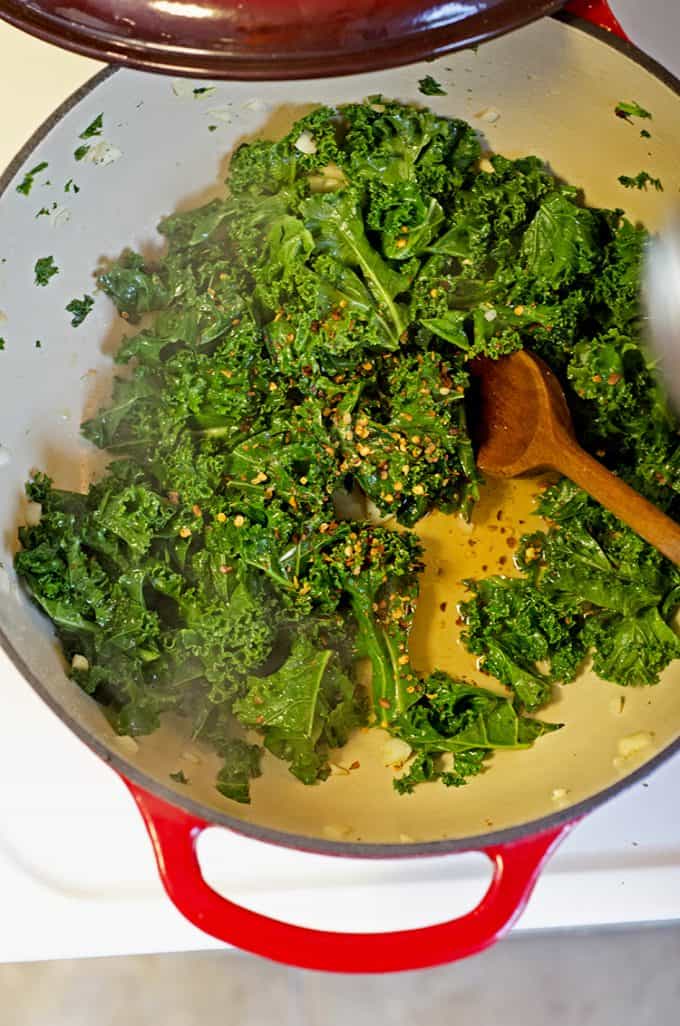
615 495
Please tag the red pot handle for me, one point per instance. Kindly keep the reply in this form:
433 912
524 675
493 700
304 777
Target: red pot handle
599 13
174 834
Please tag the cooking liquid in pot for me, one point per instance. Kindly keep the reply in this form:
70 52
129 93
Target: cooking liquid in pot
454 551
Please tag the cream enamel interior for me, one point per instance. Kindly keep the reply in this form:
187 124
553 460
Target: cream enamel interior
554 89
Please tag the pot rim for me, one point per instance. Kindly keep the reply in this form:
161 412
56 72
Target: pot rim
214 817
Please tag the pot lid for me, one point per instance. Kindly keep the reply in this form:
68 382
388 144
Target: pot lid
268 39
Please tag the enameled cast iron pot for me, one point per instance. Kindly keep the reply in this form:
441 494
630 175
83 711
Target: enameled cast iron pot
551 89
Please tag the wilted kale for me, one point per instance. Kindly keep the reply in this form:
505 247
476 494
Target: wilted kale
94 128
26 184
308 338
590 586
429 86
630 110
80 308
45 268
641 181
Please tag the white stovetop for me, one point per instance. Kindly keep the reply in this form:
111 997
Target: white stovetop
77 876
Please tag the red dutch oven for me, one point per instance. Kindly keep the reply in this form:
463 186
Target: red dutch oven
553 87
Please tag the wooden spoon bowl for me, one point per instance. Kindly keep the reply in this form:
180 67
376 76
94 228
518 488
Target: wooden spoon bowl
526 425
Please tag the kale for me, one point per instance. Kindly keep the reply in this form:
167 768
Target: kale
630 110
305 356
3 343
429 86
81 151
640 181
45 268
241 764
465 720
26 184
80 308
94 128
590 586
306 707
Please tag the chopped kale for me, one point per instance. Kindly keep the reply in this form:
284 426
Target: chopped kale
645 134
80 308
2 344
26 184
640 181
180 777
429 86
45 268
71 186
590 585
630 110
94 128
81 152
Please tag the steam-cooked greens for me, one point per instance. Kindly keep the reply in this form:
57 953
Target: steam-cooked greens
311 333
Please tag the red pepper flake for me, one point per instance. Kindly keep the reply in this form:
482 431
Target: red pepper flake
503 560
383 703
499 515
355 765
613 379
442 606
511 543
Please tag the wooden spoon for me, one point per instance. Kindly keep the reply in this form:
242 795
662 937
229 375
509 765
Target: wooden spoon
526 426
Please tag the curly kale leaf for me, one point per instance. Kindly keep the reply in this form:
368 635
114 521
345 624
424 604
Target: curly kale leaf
640 181
411 450
407 220
463 719
134 289
303 709
336 223
513 627
241 764
591 585
391 142
560 243
429 86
